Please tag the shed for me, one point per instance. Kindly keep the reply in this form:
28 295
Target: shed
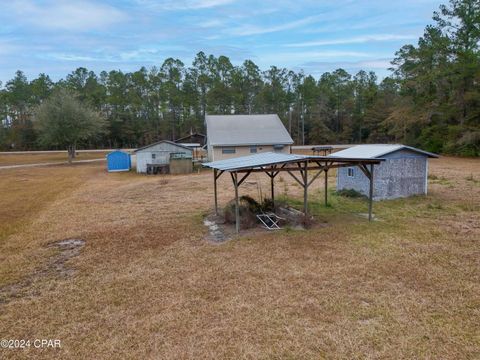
403 173
159 154
231 136
118 161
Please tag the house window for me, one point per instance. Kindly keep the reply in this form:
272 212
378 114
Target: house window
278 147
253 149
228 151
350 172
153 156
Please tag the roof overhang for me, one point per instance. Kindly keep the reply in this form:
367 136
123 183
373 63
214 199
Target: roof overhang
268 159
251 144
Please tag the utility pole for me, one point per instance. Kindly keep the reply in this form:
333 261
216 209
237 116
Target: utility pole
290 120
303 125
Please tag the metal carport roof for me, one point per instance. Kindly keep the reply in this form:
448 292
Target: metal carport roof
273 163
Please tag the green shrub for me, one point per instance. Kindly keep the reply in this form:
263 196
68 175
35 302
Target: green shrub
350 193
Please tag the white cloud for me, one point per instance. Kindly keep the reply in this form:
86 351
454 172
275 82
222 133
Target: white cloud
379 65
255 29
65 15
70 57
354 40
8 47
183 4
376 64
310 56
212 23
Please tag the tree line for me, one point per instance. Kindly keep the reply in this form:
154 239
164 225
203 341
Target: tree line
430 100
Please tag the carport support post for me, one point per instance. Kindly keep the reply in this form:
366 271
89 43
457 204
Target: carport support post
326 186
272 185
305 189
215 190
237 205
370 194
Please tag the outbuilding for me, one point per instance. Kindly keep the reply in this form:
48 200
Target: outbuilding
403 173
118 161
231 136
157 156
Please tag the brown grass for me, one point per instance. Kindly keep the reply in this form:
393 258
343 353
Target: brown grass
148 285
40 157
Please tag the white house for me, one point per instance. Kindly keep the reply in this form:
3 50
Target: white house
231 136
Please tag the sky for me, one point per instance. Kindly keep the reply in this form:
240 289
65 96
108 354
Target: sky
57 36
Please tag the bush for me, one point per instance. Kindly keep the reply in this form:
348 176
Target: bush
248 209
350 193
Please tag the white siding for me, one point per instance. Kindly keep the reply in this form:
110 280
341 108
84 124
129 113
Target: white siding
162 153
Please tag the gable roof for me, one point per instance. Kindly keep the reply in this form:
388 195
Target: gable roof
163 141
190 136
377 150
231 130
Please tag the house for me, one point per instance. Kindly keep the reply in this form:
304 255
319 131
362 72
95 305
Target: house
196 141
118 161
193 138
158 155
403 173
231 136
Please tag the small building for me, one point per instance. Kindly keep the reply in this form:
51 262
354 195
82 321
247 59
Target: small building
118 161
403 173
193 138
157 156
180 164
230 136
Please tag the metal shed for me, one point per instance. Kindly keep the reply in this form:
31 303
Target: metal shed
118 161
403 173
159 153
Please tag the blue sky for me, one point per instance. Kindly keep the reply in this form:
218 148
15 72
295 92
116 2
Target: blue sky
57 36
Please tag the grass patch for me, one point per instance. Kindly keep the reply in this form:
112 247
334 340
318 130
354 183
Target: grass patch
38 158
352 289
472 179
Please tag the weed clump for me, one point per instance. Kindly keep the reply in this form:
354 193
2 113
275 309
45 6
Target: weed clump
248 209
350 193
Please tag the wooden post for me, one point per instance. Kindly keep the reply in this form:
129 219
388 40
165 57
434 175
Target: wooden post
215 190
237 205
272 185
370 195
305 189
326 186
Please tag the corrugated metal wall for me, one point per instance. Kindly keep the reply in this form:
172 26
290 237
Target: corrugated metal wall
158 154
403 174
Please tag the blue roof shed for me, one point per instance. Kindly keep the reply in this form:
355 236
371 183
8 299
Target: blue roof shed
118 161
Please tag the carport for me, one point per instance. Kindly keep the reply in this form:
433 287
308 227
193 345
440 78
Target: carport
299 167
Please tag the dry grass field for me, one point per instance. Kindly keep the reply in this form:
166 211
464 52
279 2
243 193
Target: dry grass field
147 285
42 157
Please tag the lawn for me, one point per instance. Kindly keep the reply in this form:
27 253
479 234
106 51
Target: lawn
147 284
33 157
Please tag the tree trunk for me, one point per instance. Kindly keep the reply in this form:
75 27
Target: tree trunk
71 153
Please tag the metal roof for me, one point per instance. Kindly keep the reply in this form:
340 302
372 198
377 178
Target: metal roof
246 130
254 161
163 141
375 151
